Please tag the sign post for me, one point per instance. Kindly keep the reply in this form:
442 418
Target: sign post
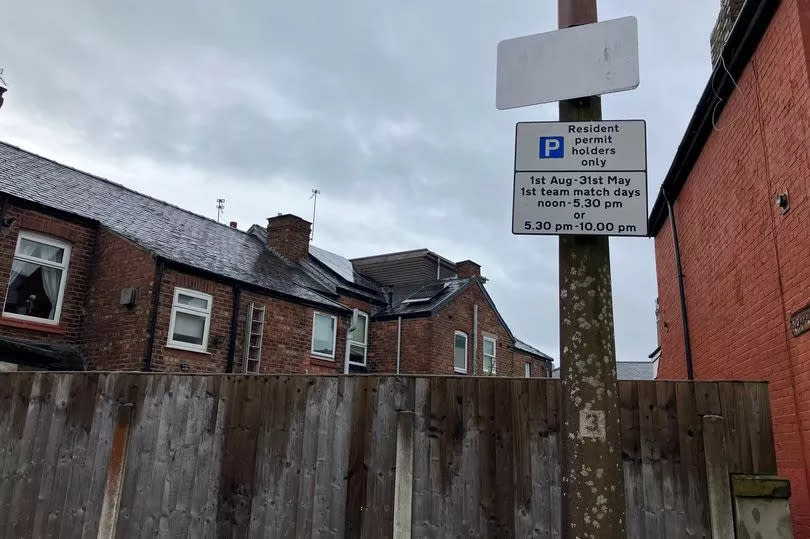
592 482
583 179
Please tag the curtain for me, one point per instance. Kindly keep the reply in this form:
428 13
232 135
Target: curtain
51 279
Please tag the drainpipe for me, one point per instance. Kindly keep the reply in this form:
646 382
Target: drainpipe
237 295
399 340
687 347
475 339
150 341
352 322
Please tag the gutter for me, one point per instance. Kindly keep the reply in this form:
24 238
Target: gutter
150 341
751 25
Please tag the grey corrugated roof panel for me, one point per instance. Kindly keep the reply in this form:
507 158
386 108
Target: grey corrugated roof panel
168 231
529 349
337 265
344 269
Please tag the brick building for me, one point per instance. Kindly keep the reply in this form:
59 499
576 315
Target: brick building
97 276
739 187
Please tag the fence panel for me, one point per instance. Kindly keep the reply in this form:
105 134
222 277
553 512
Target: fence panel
334 456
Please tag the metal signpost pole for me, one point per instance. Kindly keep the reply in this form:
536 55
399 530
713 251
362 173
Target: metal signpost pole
593 503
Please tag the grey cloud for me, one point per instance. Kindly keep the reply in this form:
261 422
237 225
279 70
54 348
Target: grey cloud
388 107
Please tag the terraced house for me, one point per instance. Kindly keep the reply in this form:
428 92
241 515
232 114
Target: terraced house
97 276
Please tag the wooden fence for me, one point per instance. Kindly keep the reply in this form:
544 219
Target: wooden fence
131 455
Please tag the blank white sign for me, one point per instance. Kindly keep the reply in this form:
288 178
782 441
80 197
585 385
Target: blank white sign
586 60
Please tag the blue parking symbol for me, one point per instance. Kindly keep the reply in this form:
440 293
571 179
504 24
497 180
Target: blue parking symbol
552 147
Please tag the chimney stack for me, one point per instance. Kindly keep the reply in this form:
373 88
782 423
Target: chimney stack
233 224
288 235
467 268
729 11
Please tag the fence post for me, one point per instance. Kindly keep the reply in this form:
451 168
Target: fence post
721 514
403 480
115 473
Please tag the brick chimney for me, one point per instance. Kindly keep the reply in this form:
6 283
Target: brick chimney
288 235
467 268
729 11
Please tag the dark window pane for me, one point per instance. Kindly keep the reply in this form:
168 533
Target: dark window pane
33 290
357 354
188 328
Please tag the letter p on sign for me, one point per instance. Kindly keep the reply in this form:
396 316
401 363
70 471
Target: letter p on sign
552 147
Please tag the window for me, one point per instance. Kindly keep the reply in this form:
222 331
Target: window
191 316
358 340
527 371
460 352
323 335
489 355
37 283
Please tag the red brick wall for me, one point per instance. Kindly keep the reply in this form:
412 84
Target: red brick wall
539 369
115 336
427 342
165 358
81 238
287 337
746 264
459 316
382 352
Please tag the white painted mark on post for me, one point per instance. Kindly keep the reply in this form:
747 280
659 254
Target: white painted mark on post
592 424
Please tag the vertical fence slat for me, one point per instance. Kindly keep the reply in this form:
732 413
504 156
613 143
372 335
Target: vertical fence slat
43 500
654 523
504 462
187 457
178 428
90 476
32 455
631 456
672 498
20 390
486 459
693 471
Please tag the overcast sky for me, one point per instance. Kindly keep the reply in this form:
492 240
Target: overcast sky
387 107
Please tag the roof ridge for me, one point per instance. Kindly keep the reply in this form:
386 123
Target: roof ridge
120 185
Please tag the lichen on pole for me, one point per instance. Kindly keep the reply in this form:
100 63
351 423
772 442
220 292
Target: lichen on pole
592 479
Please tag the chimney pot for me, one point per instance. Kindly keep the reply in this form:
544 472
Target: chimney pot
288 235
468 268
233 224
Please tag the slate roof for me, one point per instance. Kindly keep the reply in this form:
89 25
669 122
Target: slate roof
170 232
523 347
451 288
333 271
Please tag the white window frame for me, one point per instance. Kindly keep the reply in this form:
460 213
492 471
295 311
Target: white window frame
177 307
363 344
494 364
527 370
53 242
466 346
334 337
